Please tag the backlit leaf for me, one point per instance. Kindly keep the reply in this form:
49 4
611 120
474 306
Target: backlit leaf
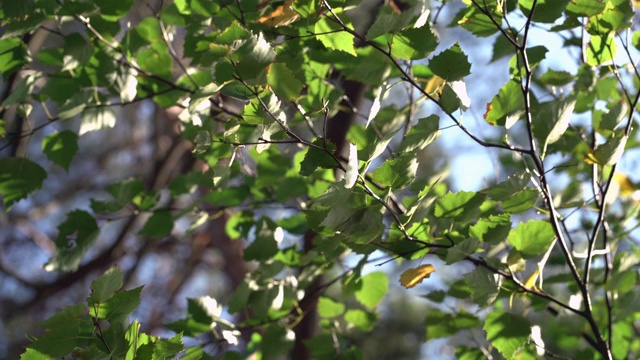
413 44
507 332
283 82
372 289
601 49
451 64
332 36
281 16
415 276
532 238
329 308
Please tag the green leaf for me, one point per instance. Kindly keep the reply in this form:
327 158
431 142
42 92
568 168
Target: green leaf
507 332
502 47
155 62
617 15
362 226
60 147
329 308
167 348
317 158
601 49
126 83
552 120
18 9
77 51
372 289
94 118
123 193
535 55
441 325
521 201
275 343
474 17
332 36
228 197
253 57
451 64
68 329
611 151
546 11
585 7
113 10
635 39
506 107
532 238
389 24
75 237
321 347
423 133
19 177
506 189
20 93
264 246
463 205
413 44
105 286
493 229
397 173
484 284
118 307
283 81
557 78
159 225
132 335
361 319
13 54
461 250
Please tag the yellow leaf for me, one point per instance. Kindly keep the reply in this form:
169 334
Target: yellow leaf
590 159
627 187
435 85
282 15
413 277
530 283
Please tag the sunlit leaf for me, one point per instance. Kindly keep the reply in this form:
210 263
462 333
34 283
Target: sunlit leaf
283 82
507 106
412 44
585 7
332 35
389 24
507 332
283 15
329 308
601 49
532 238
372 288
415 276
